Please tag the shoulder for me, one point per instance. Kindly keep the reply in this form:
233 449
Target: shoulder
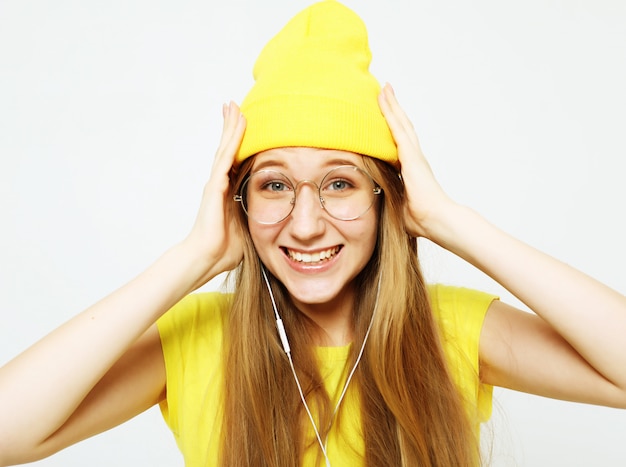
453 305
452 295
191 335
198 314
459 314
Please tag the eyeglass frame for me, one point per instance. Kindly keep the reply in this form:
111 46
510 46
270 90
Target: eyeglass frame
377 190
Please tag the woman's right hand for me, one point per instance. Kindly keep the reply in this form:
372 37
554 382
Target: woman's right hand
85 386
214 238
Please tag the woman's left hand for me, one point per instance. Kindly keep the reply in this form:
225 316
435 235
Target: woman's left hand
425 199
576 351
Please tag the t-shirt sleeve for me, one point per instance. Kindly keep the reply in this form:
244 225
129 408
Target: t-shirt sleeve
460 313
191 333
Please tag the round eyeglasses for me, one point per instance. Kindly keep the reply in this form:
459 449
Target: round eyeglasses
345 193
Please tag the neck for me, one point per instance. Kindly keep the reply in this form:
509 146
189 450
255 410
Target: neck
334 319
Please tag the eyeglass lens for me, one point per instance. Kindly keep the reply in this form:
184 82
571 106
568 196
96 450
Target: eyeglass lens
346 193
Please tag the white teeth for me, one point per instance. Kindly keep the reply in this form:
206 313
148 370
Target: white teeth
312 257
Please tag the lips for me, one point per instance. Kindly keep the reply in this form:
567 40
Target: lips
314 257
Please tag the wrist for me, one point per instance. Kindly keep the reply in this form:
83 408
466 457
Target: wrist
449 224
187 267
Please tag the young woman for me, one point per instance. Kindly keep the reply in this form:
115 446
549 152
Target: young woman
332 350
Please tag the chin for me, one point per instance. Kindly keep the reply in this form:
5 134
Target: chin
317 294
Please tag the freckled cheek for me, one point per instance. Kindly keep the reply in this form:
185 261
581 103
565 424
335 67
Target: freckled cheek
366 235
263 237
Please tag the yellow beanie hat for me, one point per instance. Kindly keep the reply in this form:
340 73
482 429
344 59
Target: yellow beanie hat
313 88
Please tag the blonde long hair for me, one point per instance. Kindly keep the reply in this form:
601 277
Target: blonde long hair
411 412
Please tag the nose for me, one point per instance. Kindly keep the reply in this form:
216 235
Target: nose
307 218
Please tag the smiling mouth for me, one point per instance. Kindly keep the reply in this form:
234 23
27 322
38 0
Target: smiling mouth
315 257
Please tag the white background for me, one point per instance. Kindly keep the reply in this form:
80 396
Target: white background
110 113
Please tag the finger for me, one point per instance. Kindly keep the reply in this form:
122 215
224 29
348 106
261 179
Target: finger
232 120
397 109
232 134
399 123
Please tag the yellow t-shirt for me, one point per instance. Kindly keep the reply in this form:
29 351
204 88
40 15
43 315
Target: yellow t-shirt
191 336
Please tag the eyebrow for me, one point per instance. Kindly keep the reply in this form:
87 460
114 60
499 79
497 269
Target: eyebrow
274 163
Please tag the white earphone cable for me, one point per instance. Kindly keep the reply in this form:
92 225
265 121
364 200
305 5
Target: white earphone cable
287 349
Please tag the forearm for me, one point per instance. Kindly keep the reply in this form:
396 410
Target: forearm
42 387
588 314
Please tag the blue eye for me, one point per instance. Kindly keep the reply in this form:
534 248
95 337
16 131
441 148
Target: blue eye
338 185
275 186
